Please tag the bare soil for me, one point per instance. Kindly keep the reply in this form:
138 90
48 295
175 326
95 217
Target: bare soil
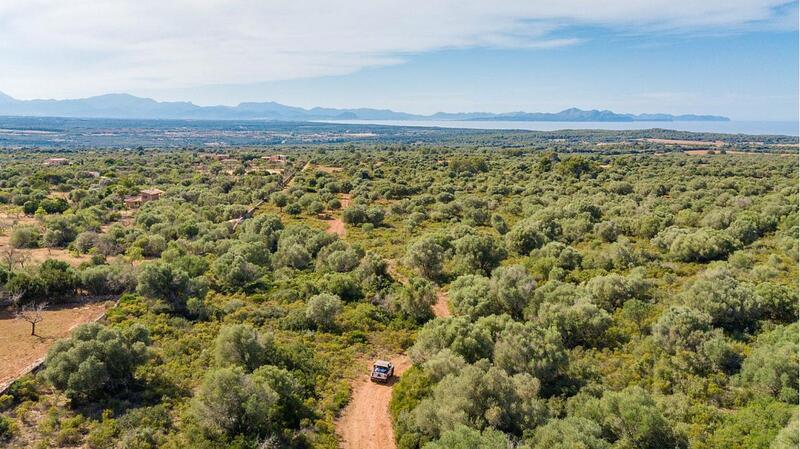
19 350
705 152
440 309
365 422
33 256
327 169
335 223
717 143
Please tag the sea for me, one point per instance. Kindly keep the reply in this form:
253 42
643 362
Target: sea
786 128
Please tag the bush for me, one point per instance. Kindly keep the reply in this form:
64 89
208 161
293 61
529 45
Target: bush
731 304
701 245
470 295
681 328
528 348
414 300
229 402
426 256
7 428
96 360
355 215
772 366
512 289
232 271
524 237
477 254
25 237
58 279
568 433
160 281
631 418
240 345
463 437
754 426
611 291
108 279
477 396
323 309
777 302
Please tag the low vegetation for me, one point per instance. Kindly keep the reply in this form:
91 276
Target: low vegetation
598 301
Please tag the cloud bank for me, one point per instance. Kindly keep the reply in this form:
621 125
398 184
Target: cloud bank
81 47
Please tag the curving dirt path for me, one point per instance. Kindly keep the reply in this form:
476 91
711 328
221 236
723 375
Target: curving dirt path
365 422
335 224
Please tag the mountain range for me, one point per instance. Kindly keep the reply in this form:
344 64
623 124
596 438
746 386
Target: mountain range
125 106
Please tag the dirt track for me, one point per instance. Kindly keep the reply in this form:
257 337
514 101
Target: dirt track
365 423
440 309
335 224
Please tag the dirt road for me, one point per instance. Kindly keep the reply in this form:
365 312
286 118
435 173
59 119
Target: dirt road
335 224
365 422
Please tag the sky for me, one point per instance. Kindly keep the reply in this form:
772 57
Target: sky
737 58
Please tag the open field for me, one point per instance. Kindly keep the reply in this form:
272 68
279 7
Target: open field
693 143
19 350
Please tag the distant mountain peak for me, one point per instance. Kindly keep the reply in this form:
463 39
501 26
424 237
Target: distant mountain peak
6 98
127 106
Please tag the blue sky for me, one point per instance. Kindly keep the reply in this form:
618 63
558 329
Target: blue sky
735 57
751 76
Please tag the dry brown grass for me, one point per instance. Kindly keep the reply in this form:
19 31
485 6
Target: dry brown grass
717 143
19 350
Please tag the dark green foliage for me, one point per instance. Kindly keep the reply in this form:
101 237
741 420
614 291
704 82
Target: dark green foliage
25 237
241 345
96 360
568 433
414 300
463 437
754 426
323 309
681 328
730 304
58 280
478 397
477 254
630 418
426 256
161 281
231 403
772 367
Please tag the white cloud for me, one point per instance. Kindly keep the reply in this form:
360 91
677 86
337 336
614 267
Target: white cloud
79 47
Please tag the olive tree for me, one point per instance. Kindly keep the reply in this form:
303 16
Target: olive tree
323 309
96 360
241 345
415 298
426 256
772 366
